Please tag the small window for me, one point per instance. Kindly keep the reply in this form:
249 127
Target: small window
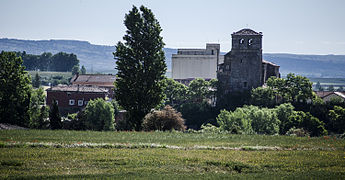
227 67
80 102
250 42
85 102
71 102
245 84
241 41
241 61
212 52
57 102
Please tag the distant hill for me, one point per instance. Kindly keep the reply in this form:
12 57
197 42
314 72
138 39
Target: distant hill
99 58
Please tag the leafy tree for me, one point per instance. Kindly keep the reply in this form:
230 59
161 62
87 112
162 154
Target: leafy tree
15 90
166 119
75 70
236 122
337 119
99 115
36 81
198 90
263 120
175 92
196 114
318 86
264 97
284 111
309 123
54 116
82 70
140 65
63 62
36 103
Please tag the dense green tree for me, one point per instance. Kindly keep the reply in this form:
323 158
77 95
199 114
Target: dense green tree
337 119
36 102
236 122
198 90
63 62
83 69
15 90
99 115
140 65
196 114
175 92
36 81
309 123
284 111
263 97
75 70
55 117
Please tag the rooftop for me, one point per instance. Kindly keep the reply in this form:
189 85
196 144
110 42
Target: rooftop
271 63
247 32
76 88
94 79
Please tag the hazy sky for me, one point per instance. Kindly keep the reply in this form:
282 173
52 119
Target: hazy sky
289 26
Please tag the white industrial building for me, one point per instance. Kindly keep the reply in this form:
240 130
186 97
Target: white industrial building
196 63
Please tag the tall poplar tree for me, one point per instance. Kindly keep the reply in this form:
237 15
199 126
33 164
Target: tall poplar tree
140 65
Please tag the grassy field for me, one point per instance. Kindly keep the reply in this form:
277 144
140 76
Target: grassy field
173 155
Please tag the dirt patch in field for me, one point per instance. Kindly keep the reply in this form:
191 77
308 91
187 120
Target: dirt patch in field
9 126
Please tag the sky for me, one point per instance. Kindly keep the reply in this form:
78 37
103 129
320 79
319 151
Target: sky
288 26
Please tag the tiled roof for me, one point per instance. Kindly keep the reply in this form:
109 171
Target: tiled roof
94 79
246 32
323 94
76 88
271 63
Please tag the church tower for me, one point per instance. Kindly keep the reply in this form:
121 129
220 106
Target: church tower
242 67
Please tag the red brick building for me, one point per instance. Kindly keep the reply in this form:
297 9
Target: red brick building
73 98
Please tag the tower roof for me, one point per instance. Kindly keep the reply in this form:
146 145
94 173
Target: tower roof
246 32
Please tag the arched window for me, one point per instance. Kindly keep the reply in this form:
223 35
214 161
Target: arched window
250 42
241 41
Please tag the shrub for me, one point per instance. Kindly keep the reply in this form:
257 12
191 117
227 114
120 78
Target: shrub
309 122
299 132
236 122
263 120
166 119
284 111
337 119
209 128
98 115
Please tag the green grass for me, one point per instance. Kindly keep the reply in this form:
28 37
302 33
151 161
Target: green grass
33 162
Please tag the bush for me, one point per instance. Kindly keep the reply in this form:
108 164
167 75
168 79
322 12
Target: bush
236 122
299 132
263 120
166 119
284 111
98 115
209 128
337 119
309 123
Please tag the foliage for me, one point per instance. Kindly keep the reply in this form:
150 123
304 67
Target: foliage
293 89
284 111
197 114
318 86
15 90
198 90
140 64
38 112
36 82
330 88
309 123
54 116
48 62
337 119
175 92
75 70
166 119
236 122
48 78
264 97
83 69
99 115
210 128
299 132
263 120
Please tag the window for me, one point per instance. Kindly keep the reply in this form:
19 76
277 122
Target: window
227 67
57 102
245 84
212 52
80 102
241 41
250 42
71 102
241 60
85 102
